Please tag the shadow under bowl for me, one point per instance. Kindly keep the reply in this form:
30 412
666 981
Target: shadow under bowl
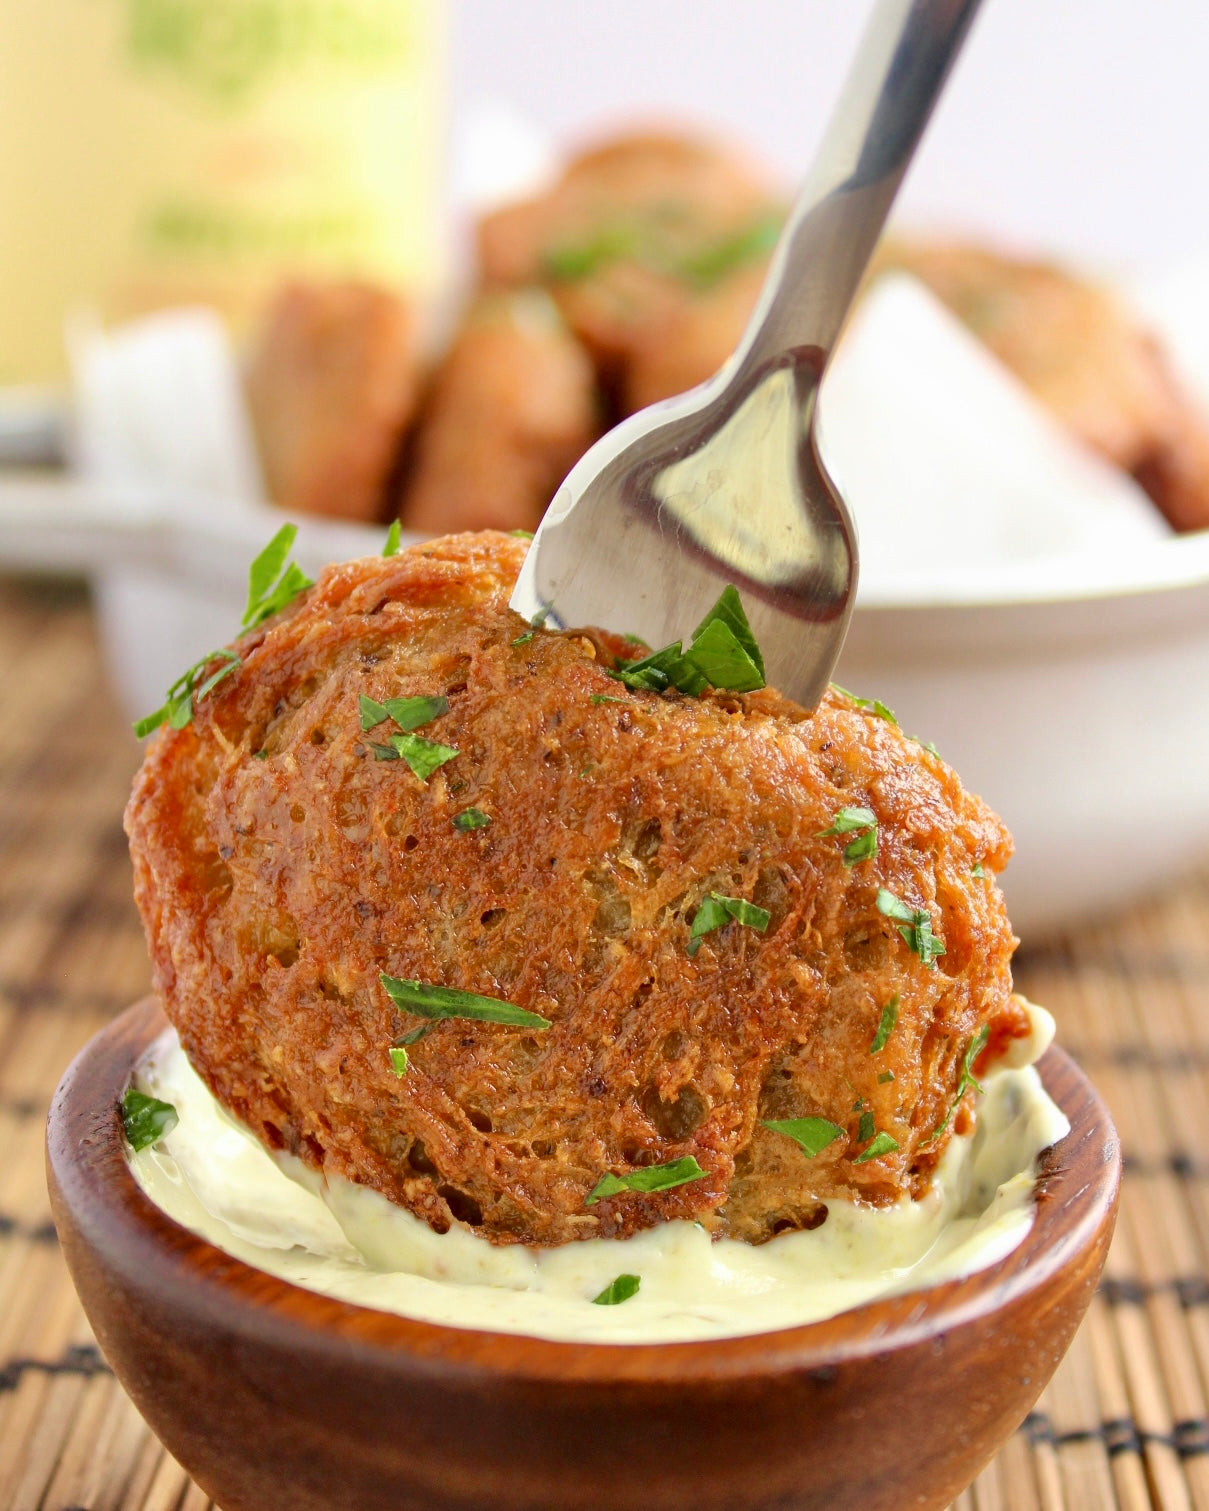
279 1399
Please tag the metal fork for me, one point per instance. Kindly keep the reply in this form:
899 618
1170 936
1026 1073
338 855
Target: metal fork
724 484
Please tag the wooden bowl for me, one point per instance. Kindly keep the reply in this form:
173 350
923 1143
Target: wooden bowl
274 1397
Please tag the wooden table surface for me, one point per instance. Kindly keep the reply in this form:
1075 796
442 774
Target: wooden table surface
1126 1420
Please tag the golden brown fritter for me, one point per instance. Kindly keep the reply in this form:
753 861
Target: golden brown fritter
693 340
513 407
1082 354
641 243
280 867
331 385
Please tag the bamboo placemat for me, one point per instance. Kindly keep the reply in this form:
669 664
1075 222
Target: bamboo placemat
1125 1422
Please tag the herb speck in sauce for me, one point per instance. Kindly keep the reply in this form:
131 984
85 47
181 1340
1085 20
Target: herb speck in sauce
618 1290
146 1120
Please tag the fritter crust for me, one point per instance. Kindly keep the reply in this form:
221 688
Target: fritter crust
654 246
331 384
512 408
280 868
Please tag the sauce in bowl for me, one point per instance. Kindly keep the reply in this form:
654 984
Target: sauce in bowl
347 1241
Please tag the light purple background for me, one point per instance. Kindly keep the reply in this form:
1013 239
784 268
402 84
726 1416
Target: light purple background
1078 125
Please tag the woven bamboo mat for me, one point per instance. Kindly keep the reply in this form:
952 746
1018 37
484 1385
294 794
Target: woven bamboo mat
1125 1422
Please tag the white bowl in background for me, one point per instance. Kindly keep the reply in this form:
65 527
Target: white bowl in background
1076 702
163 608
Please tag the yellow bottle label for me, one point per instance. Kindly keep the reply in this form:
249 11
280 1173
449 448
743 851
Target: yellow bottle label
166 151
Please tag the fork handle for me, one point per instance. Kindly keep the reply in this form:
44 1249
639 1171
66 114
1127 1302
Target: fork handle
900 68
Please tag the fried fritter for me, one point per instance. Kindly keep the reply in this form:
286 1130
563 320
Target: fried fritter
641 242
513 407
693 340
281 866
1082 354
331 383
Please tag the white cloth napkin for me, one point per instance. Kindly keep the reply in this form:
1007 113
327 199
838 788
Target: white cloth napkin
158 404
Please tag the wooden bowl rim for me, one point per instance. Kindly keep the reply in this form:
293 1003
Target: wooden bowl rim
106 1210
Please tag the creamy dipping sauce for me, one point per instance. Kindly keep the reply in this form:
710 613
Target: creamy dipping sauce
347 1241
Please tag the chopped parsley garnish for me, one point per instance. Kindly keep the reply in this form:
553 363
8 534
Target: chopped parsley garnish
722 653
146 1119
407 713
440 1002
577 260
717 654
872 705
398 1050
866 1128
724 648
677 1172
885 1078
713 263
618 1290
976 1046
271 585
977 870
928 745
415 1035
471 818
423 756
863 847
373 713
859 821
728 613
849 819
646 242
521 534
184 694
272 581
884 1143
915 925
606 698
535 624
885 1026
660 670
716 911
811 1134
393 536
